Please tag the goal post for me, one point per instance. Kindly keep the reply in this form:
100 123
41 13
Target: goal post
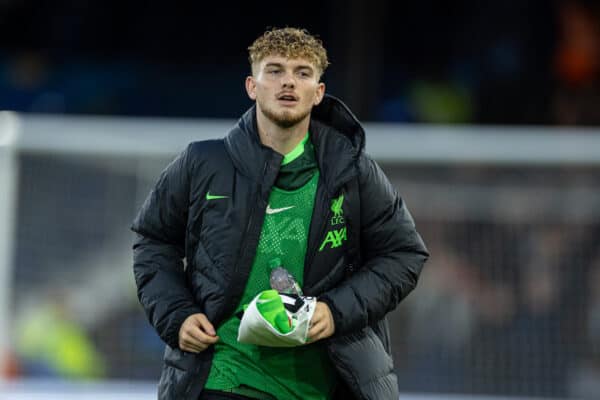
9 129
504 210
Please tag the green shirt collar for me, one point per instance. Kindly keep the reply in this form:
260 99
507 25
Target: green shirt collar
296 152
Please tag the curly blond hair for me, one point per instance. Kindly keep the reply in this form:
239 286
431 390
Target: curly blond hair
289 43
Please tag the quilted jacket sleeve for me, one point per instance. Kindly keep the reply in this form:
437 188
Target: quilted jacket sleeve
159 249
393 255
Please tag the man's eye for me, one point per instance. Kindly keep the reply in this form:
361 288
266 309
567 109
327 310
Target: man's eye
274 72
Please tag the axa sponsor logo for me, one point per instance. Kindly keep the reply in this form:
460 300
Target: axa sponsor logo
334 238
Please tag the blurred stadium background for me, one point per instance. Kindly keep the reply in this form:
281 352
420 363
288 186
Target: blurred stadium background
484 114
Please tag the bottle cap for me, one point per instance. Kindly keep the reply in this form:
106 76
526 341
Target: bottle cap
274 263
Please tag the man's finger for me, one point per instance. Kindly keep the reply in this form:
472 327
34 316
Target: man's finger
190 348
198 337
316 330
205 324
186 345
316 319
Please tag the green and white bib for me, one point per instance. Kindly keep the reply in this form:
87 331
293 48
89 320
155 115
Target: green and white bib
303 372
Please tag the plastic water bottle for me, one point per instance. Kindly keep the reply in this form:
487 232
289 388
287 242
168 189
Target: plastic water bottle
281 279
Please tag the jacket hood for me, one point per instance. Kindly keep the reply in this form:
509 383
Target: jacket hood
336 133
333 113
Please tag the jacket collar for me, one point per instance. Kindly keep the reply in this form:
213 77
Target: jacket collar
337 135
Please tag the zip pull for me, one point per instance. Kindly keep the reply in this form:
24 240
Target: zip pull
349 269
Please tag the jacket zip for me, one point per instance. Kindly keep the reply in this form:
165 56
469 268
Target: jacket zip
354 386
312 252
235 297
243 249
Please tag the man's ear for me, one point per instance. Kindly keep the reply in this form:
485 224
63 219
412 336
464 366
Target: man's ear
320 93
251 87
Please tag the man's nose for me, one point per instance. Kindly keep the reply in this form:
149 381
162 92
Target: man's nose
288 81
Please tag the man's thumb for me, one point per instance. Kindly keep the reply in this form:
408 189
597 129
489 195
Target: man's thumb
206 325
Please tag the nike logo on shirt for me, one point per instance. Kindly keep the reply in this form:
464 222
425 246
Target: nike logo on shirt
277 210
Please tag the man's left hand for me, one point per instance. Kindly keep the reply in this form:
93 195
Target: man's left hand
321 325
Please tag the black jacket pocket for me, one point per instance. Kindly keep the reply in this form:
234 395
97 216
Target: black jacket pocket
363 363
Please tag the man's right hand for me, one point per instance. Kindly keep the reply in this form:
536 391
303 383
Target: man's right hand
196 334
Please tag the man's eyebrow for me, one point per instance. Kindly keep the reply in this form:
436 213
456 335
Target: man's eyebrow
274 64
280 65
308 67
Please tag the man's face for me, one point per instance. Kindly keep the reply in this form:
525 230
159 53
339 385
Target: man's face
285 89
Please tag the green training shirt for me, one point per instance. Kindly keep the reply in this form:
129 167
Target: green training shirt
303 372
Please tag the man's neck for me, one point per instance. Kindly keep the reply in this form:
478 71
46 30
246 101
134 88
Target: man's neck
282 140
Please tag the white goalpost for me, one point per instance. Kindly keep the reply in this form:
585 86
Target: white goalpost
8 194
79 180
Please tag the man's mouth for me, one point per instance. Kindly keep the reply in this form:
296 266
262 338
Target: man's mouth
287 98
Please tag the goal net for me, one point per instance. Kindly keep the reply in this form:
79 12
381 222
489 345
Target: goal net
507 305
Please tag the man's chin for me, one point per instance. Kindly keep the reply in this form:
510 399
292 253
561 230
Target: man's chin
288 121
285 119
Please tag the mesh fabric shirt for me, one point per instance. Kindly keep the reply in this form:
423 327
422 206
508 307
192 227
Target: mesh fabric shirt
302 372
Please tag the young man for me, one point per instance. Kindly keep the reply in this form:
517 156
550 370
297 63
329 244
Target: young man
290 181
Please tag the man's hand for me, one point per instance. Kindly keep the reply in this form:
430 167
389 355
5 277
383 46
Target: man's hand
196 334
321 325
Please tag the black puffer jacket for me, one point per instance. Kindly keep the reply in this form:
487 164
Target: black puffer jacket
218 238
